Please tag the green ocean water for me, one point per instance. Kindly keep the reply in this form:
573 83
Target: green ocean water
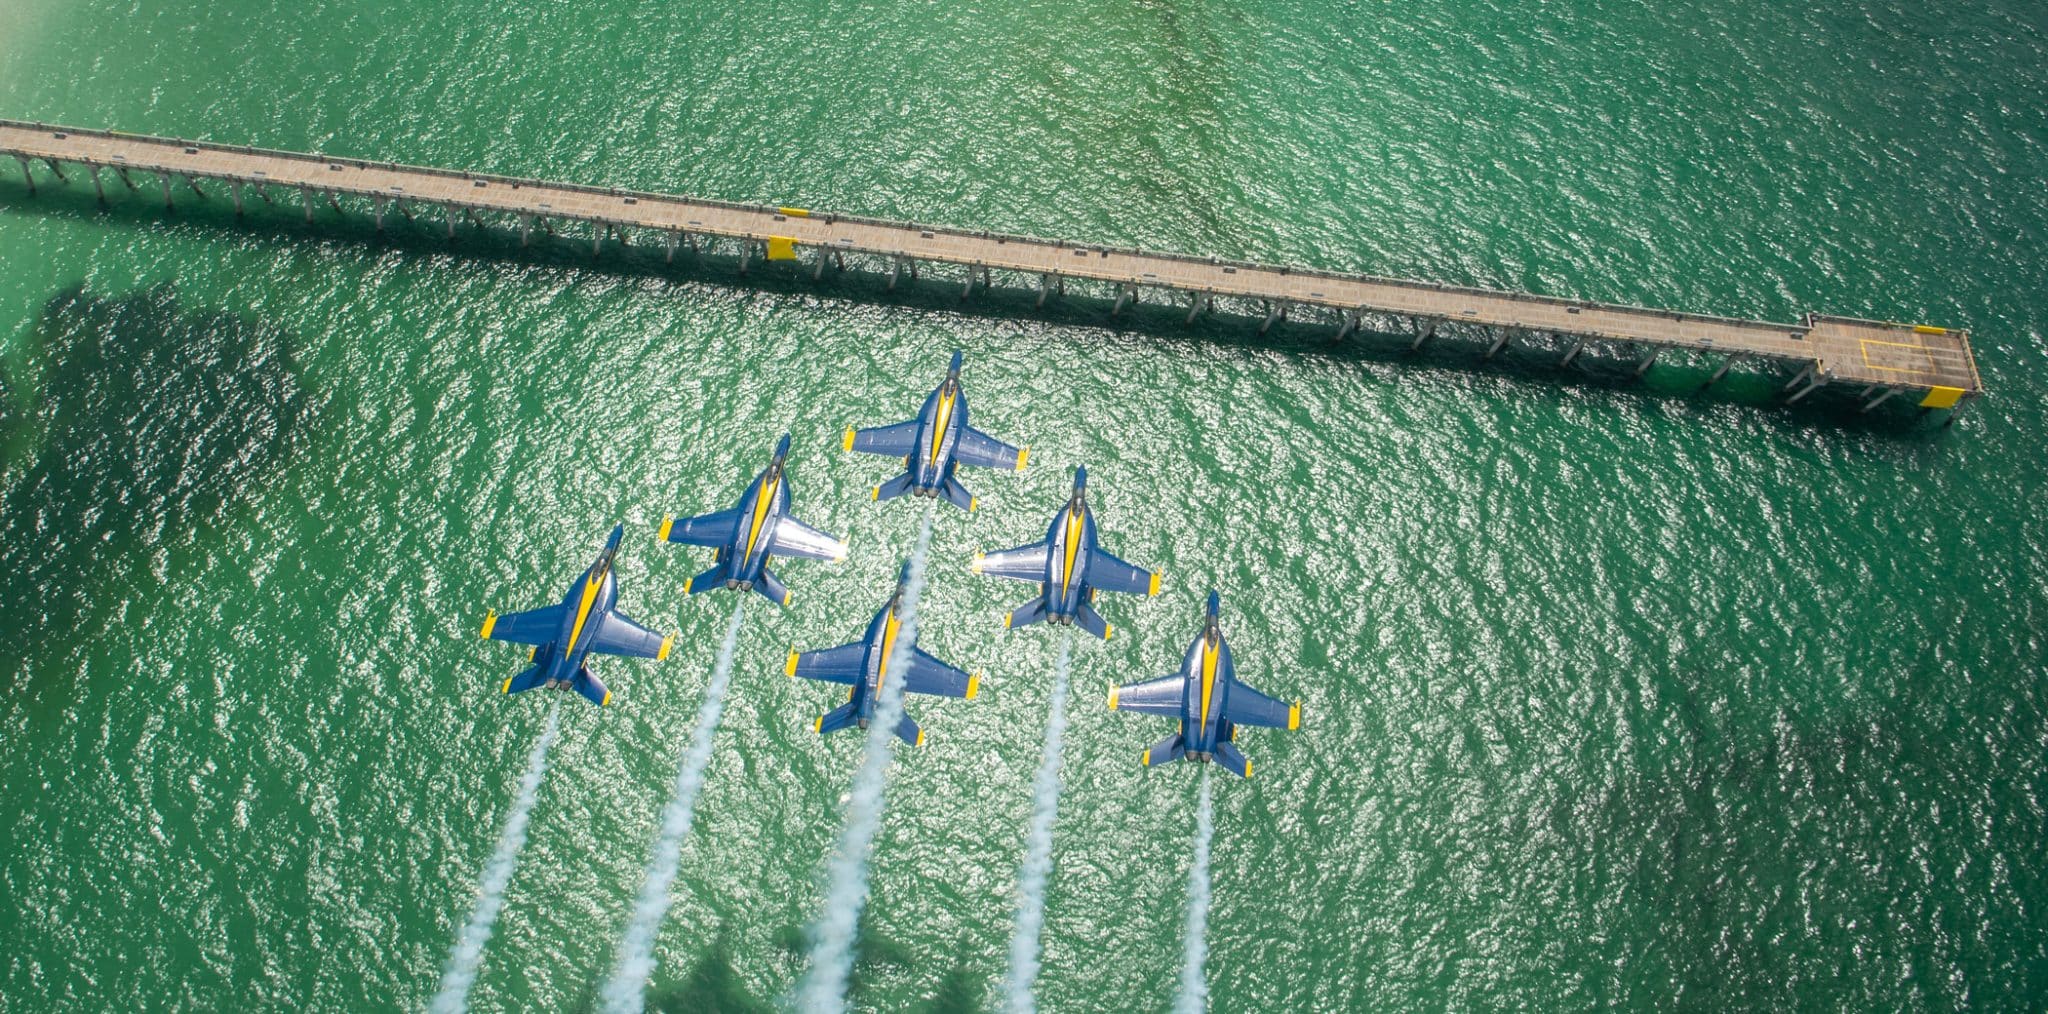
1613 694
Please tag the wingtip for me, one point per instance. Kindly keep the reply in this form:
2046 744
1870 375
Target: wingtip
973 685
667 643
786 596
1247 768
1108 631
1112 697
789 667
974 565
847 444
1294 716
490 622
972 503
875 494
686 584
920 738
1023 456
1154 590
1148 758
607 702
507 688
1007 617
666 524
818 725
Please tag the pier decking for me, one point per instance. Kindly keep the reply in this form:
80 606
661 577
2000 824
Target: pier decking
1885 359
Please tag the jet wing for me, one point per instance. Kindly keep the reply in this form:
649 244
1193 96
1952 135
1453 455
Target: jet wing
534 626
1245 706
794 538
1111 574
711 530
980 449
621 636
894 441
928 675
1162 696
1024 563
844 665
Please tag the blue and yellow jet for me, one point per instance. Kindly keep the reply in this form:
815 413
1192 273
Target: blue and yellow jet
746 536
864 666
934 444
1209 701
564 635
1069 566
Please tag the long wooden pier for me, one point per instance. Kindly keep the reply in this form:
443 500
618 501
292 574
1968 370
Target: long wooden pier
1885 359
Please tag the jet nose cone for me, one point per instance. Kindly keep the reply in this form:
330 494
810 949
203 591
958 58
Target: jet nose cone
955 368
1081 477
1215 603
782 447
618 535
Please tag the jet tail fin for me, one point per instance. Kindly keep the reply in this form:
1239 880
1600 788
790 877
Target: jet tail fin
957 494
1166 751
771 588
533 676
894 487
1091 621
1233 759
710 580
836 719
1027 614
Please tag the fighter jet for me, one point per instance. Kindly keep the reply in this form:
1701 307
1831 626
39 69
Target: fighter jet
864 665
1209 701
750 533
564 635
934 444
1069 566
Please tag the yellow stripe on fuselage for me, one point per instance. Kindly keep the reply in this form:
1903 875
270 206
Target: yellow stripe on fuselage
1208 678
888 645
940 419
1073 543
760 515
590 589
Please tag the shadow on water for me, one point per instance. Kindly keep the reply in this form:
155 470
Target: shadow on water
1748 837
712 986
135 419
1160 325
960 990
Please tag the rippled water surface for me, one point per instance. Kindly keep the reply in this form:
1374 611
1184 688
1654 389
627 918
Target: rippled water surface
1612 694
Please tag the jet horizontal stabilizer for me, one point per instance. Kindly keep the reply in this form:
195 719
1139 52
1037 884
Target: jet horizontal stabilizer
591 689
1166 751
836 719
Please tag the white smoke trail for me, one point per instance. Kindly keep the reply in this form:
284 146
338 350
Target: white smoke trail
468 955
823 990
626 993
1031 877
1194 988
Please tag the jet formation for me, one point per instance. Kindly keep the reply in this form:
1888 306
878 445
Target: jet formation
1069 566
